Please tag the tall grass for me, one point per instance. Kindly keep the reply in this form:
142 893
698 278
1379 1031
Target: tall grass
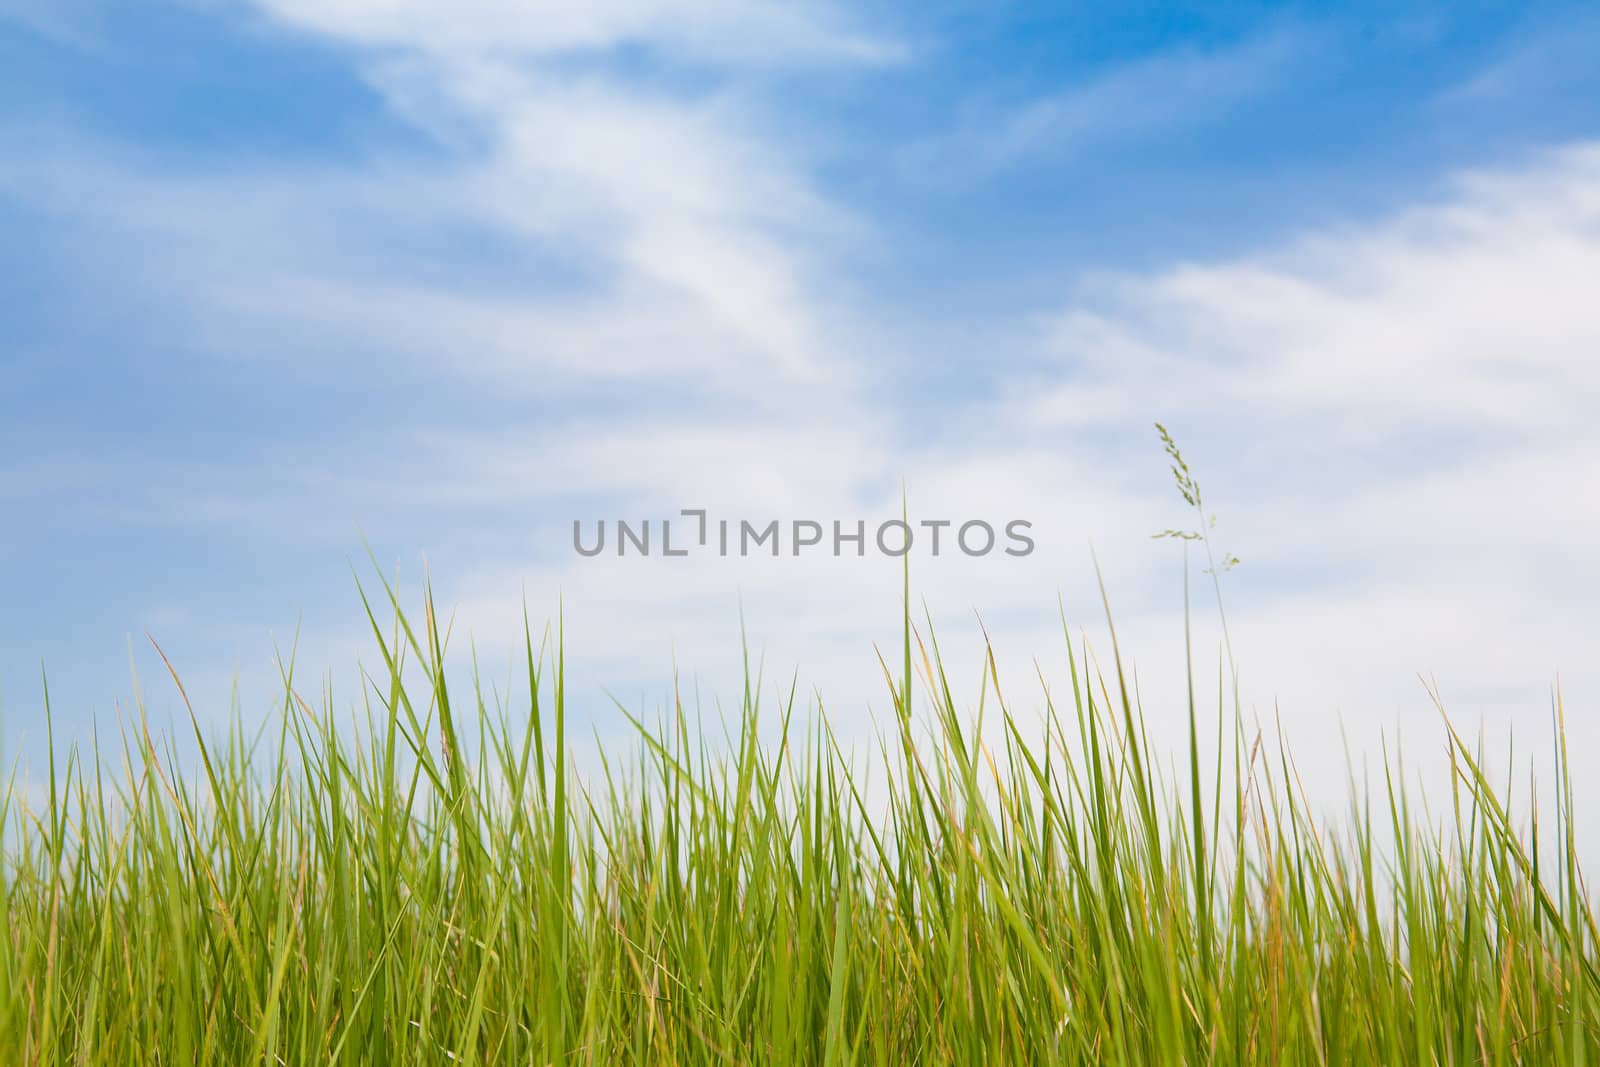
441 886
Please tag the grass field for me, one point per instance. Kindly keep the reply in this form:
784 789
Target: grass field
439 887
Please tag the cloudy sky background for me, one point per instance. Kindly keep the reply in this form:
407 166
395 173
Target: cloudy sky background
278 276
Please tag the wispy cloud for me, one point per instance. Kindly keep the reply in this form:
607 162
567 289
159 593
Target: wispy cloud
722 32
678 229
1132 99
62 21
1468 315
656 241
1539 62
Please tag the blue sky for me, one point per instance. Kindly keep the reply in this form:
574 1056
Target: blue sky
282 275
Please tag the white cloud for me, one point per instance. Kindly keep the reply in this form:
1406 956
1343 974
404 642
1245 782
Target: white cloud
1143 98
1463 329
722 31
67 22
1545 63
690 228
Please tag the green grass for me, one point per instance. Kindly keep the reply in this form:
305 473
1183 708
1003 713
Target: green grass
439 885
